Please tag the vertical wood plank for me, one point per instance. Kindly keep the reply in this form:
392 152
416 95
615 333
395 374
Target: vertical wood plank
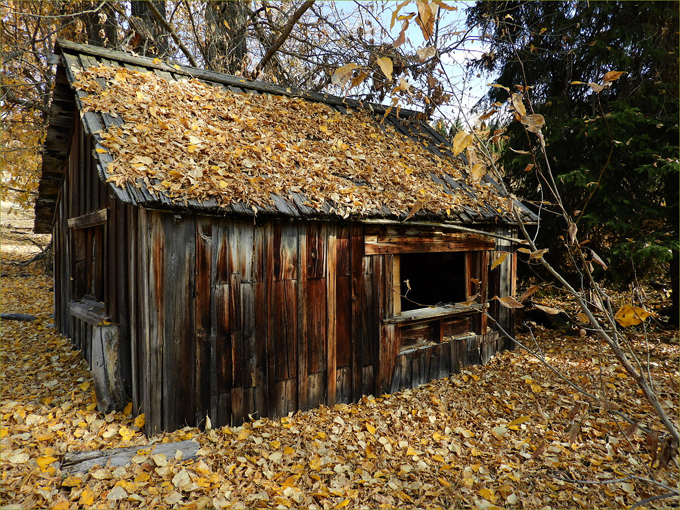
316 250
202 314
343 324
316 306
223 339
154 302
285 328
331 379
302 340
378 299
271 354
260 338
237 364
131 244
179 354
395 290
358 307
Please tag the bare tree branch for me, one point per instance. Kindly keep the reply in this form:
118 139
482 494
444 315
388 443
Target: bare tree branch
284 35
171 31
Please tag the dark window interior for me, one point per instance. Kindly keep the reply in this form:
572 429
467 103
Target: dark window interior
435 278
88 260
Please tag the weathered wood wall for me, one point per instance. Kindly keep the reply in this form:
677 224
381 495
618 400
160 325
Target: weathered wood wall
225 318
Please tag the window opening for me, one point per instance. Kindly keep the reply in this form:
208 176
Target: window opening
434 279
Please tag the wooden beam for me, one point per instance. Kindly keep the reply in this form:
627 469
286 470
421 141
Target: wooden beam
376 245
428 314
90 312
89 220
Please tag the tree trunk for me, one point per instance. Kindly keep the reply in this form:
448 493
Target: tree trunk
227 24
150 38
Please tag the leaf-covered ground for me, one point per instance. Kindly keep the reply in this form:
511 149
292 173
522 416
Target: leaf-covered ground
504 435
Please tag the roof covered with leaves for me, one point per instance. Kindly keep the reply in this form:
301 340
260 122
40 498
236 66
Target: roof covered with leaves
176 137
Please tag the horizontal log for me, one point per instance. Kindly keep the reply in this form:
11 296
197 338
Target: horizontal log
17 317
82 462
375 245
89 220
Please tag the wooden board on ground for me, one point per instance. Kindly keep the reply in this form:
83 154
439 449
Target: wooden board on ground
82 462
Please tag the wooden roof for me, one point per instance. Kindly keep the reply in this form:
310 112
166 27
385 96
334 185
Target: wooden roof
471 202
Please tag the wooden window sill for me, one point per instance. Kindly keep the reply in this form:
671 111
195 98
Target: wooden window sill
430 313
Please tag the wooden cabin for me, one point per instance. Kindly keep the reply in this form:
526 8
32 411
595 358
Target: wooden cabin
239 299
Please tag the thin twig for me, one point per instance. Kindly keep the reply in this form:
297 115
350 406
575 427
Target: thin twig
673 494
284 35
159 17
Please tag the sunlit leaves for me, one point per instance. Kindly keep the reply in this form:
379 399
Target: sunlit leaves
461 141
402 85
533 122
629 315
395 13
517 101
477 171
386 66
508 302
499 260
342 74
613 76
426 17
426 53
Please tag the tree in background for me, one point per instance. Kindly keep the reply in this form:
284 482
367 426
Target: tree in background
614 150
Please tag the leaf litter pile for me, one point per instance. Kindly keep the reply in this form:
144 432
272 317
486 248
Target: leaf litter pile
195 141
506 435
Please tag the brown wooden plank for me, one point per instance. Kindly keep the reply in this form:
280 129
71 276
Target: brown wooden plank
221 242
271 353
413 335
392 245
428 314
317 389
343 324
367 380
302 316
344 385
223 416
316 308
316 250
179 353
260 339
342 249
151 282
133 305
358 307
240 250
331 379
285 328
249 355
89 220
202 313
223 339
378 299
237 415
291 401
394 307
236 328
370 328
285 251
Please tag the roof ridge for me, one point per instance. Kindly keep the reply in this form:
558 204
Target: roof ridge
228 79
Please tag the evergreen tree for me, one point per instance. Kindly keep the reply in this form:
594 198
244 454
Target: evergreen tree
614 152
